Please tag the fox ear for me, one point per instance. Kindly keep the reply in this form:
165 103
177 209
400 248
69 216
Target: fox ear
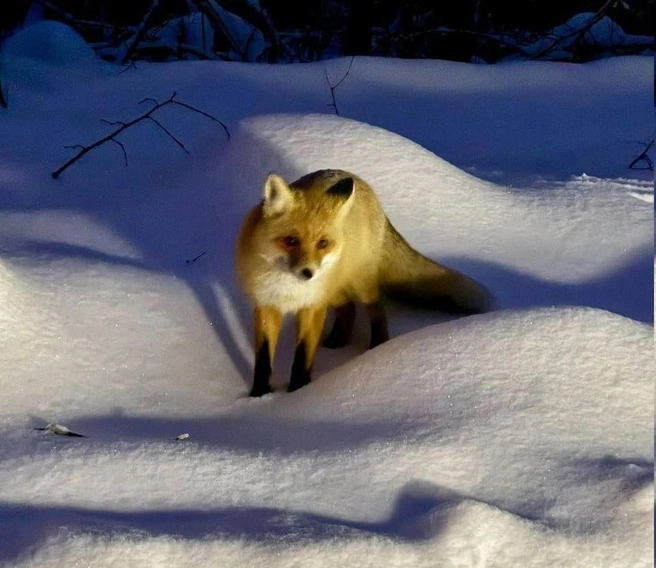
343 191
277 195
343 188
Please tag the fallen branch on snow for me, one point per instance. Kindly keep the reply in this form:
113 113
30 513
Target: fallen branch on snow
643 157
125 125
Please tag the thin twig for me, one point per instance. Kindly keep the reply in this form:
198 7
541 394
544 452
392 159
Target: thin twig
151 100
130 65
643 156
124 125
125 154
333 88
348 70
578 32
113 122
185 105
214 17
75 22
189 261
166 131
131 43
3 99
460 32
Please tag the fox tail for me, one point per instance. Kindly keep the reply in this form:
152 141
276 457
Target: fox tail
411 278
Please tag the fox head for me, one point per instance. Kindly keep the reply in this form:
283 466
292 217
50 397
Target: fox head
303 225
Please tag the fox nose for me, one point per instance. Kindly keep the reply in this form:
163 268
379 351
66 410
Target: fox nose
306 273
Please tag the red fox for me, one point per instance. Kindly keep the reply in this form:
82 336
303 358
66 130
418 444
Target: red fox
323 242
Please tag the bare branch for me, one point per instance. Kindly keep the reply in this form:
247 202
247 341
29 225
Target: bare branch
4 103
131 43
462 32
150 100
130 65
124 125
214 17
125 154
579 31
76 22
189 261
185 105
333 88
168 133
345 74
113 123
643 157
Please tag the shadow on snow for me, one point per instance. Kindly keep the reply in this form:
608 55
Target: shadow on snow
422 511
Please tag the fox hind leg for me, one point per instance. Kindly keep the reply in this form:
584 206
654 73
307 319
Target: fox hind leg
369 295
342 327
378 323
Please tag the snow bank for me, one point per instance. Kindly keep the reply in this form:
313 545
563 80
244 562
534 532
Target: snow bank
584 29
452 437
527 246
44 53
519 437
49 42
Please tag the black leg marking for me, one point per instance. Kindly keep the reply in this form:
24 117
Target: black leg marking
342 328
379 326
300 374
262 371
379 334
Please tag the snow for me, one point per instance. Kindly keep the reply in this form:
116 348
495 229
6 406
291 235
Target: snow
246 37
192 30
49 42
521 437
583 29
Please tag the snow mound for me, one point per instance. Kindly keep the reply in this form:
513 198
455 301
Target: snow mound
600 31
522 437
50 42
45 55
484 229
583 29
441 531
487 436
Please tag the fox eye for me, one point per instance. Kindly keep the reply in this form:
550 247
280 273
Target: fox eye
291 241
322 243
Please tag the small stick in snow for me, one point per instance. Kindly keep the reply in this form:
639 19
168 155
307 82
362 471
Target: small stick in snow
125 125
188 261
60 430
3 99
333 88
643 157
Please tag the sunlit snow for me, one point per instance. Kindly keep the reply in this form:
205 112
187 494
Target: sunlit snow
520 437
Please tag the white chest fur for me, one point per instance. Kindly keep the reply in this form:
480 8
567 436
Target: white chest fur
287 292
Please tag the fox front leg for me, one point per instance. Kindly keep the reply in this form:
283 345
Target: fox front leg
310 326
267 328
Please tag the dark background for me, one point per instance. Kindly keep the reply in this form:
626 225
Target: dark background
461 30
